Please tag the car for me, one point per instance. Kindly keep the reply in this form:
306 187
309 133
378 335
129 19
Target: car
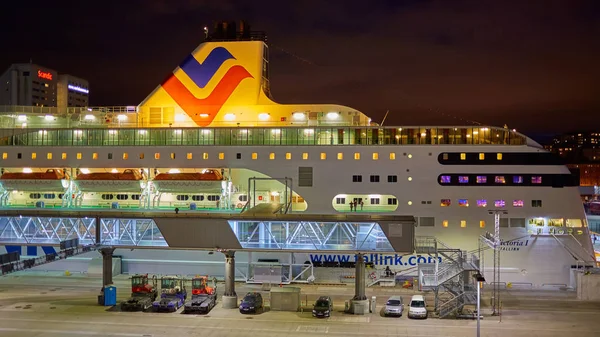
251 303
323 307
394 306
417 307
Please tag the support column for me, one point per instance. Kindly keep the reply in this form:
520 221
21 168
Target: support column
98 232
230 297
107 259
360 304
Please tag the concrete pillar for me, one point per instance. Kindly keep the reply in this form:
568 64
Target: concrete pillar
359 281
107 259
230 297
360 304
98 230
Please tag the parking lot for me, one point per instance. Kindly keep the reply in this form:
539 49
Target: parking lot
45 305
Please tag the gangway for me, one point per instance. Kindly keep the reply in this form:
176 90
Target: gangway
11 262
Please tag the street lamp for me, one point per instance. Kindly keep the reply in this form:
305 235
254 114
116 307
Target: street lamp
479 278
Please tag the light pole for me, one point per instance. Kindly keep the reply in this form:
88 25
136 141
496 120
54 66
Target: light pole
479 279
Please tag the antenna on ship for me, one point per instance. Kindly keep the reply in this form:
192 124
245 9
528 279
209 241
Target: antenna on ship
384 117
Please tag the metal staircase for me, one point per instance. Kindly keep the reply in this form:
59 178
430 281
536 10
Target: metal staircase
450 279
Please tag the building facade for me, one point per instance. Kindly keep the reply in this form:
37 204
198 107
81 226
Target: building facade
29 84
581 151
72 91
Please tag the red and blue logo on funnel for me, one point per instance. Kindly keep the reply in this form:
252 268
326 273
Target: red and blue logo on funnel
201 74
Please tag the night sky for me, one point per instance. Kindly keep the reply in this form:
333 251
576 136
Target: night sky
534 65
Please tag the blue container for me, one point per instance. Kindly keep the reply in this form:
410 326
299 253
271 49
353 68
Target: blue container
110 296
39 204
115 205
193 206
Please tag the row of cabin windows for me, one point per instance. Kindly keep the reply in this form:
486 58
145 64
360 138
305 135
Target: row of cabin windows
510 222
120 196
497 179
463 156
375 178
497 203
190 155
45 196
373 201
183 197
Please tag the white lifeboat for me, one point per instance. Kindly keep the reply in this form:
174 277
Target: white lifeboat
53 180
127 181
207 181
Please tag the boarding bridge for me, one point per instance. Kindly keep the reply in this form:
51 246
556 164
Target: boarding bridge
450 280
345 233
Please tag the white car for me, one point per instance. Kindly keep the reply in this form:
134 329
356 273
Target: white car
394 306
417 307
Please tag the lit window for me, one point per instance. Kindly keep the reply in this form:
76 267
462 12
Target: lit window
481 156
157 156
221 155
517 179
49 155
481 224
481 179
190 156
375 156
78 155
445 179
323 155
33 155
445 156
463 179
409 178
463 156
445 202
125 156
172 155
305 156
141 156
536 180
392 156
463 223
356 156
254 155
463 202
445 223
288 156
4 155
499 203
64 156
205 155
271 155
518 203
481 203
340 156
409 203
500 180
94 156
409 156
499 156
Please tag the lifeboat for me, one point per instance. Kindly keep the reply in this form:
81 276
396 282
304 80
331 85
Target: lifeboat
51 180
207 181
127 181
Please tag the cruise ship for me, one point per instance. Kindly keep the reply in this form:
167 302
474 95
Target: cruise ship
211 138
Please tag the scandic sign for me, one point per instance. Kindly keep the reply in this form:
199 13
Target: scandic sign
45 75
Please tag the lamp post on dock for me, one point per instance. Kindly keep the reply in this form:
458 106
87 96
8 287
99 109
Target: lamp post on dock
479 279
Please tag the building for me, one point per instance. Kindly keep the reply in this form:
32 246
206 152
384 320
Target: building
72 91
29 84
581 151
